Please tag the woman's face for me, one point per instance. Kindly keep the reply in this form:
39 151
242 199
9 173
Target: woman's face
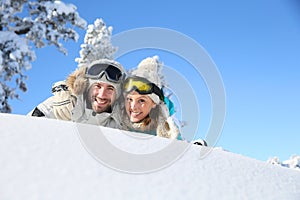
138 106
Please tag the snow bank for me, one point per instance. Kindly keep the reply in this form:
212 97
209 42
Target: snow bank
50 159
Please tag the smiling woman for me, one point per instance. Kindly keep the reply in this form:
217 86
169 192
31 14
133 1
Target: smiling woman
145 107
138 106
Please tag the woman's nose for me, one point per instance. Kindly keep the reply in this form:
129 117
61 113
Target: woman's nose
133 105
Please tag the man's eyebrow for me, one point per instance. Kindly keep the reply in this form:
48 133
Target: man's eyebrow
110 86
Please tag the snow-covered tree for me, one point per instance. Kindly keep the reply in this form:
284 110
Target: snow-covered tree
25 24
293 162
97 43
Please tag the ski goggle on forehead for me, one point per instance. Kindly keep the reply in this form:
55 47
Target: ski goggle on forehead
142 86
111 72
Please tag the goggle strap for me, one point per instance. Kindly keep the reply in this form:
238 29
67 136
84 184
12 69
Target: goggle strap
158 92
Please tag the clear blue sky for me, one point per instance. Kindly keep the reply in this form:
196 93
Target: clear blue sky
254 44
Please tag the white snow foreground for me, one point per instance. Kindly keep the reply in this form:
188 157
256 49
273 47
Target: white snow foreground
50 159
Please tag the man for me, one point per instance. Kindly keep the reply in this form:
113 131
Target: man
89 95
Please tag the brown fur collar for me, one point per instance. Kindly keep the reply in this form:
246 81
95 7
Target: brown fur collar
77 82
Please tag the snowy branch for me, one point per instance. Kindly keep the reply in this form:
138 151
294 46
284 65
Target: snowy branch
24 23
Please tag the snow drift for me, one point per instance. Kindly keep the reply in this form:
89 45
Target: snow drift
50 159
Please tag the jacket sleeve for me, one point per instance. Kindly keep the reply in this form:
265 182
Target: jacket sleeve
44 109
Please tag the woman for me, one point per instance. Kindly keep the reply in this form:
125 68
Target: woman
145 110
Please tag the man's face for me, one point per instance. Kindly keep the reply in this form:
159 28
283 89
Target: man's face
101 96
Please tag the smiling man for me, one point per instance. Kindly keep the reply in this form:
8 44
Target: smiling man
97 89
90 95
101 97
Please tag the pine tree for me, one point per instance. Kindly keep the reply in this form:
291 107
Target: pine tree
26 24
97 43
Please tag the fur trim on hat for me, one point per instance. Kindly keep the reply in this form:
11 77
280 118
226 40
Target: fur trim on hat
77 82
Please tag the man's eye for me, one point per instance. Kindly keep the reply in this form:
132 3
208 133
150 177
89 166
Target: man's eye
98 86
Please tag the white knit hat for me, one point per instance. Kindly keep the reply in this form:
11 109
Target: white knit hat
150 69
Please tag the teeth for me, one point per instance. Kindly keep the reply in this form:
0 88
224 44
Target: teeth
135 113
100 101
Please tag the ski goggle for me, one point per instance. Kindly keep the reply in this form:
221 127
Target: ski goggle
142 86
111 72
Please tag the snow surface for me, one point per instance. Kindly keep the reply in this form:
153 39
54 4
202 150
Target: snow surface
50 159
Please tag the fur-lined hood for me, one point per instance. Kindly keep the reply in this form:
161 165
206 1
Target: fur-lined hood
77 82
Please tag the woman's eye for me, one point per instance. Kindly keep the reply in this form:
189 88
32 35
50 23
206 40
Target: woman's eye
142 101
128 99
